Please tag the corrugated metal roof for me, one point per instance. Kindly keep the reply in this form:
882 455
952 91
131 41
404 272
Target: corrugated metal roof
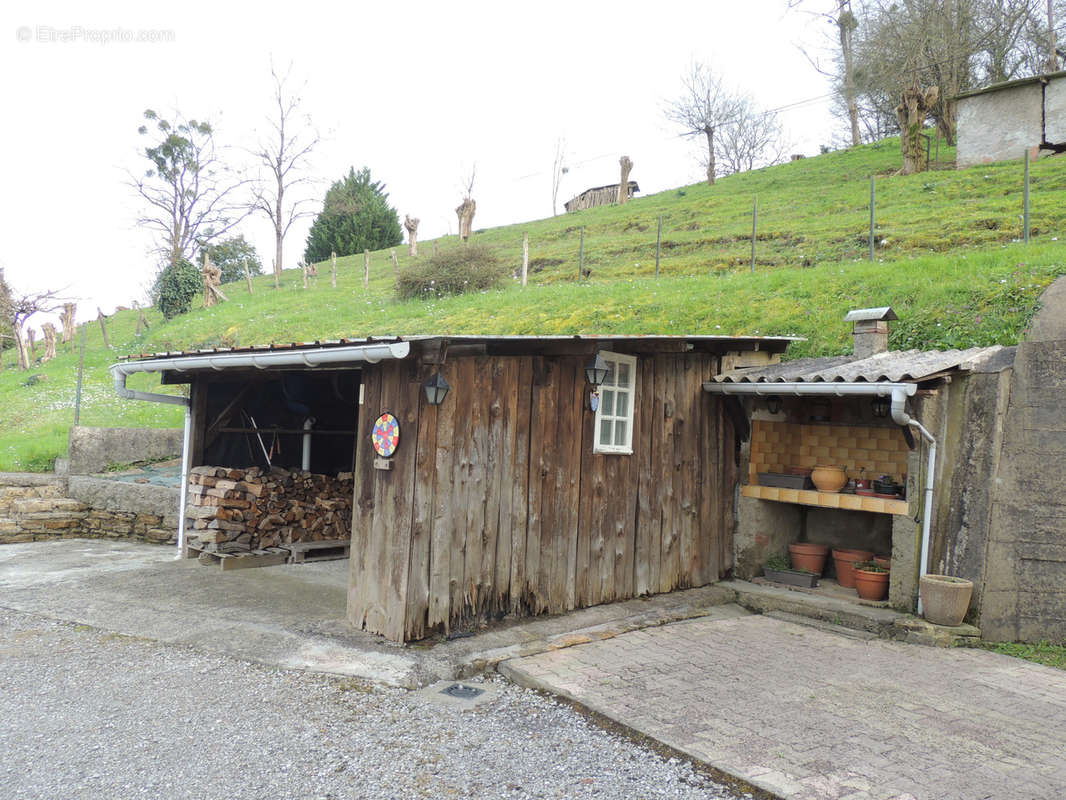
893 366
773 343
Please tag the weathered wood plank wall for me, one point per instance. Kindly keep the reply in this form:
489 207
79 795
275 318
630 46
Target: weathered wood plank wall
496 504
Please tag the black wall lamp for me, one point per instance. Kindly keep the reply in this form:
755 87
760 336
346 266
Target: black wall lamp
436 389
595 374
596 371
773 404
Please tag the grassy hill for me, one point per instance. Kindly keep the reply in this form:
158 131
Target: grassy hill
948 260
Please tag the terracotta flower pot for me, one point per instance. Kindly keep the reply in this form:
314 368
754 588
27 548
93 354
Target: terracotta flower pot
945 599
871 585
809 556
883 561
829 479
845 564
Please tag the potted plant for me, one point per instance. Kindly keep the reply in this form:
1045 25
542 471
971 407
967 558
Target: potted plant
809 556
945 599
844 561
871 580
777 569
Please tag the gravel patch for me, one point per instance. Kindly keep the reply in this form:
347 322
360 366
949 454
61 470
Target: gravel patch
88 714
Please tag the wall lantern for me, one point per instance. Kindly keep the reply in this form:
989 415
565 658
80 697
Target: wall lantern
881 406
436 389
596 371
773 404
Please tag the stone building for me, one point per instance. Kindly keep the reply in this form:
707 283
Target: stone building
1002 121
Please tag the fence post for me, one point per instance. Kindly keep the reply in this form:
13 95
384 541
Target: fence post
525 258
366 268
581 255
333 273
1025 212
754 228
873 205
658 244
81 371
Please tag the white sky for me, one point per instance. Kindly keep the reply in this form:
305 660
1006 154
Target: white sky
418 91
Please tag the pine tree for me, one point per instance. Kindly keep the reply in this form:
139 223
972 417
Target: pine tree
356 216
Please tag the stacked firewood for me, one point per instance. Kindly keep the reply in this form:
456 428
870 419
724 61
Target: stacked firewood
256 508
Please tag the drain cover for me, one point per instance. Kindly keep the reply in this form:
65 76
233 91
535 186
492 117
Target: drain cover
462 692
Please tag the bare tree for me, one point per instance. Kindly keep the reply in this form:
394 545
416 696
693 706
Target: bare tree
705 104
559 169
191 194
1052 52
465 210
284 155
16 310
844 20
625 164
411 225
1005 48
753 139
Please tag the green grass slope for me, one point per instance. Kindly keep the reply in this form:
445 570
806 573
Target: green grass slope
948 260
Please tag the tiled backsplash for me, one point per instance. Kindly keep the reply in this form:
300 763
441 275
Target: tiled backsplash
776 446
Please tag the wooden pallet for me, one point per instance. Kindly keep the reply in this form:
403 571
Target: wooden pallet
326 550
244 559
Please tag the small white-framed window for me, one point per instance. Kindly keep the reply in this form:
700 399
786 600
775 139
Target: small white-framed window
614 415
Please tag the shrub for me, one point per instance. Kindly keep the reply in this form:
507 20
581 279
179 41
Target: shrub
467 268
176 286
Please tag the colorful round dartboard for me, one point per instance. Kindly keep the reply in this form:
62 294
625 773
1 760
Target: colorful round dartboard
386 435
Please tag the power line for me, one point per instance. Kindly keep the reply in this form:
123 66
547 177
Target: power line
765 113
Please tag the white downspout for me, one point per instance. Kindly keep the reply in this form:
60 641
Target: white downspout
305 461
119 377
184 494
900 417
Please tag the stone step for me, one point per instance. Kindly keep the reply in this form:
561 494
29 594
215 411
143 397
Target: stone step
765 599
847 618
812 622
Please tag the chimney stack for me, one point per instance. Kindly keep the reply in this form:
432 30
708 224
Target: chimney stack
870 332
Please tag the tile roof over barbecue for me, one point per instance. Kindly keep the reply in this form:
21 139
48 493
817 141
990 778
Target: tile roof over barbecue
895 366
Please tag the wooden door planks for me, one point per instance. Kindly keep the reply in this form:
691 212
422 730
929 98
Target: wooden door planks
422 518
649 518
498 504
361 577
439 601
521 479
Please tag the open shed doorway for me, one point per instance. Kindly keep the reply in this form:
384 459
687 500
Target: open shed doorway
259 420
272 479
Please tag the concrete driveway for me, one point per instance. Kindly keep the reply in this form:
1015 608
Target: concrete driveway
288 616
814 715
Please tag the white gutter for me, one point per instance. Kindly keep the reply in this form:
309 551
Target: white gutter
370 353
272 359
821 388
899 392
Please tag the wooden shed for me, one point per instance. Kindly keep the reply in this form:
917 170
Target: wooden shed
525 491
514 496
599 196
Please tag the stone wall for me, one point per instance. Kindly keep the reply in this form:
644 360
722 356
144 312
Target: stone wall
1025 566
37 507
94 449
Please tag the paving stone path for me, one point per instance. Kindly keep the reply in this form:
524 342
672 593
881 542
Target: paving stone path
812 715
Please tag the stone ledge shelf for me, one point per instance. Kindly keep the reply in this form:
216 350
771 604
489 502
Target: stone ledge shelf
809 497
